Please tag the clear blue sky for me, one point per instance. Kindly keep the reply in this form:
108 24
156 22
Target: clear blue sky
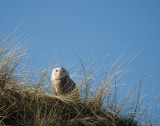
90 27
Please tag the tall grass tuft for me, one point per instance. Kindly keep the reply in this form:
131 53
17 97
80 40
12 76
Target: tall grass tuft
23 102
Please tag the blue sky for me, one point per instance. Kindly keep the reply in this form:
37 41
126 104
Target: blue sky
92 28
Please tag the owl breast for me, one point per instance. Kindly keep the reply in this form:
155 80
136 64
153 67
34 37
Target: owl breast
62 86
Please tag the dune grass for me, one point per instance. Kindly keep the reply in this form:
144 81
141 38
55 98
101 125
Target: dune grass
23 102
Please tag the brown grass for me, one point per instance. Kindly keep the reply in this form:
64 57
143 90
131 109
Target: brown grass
24 103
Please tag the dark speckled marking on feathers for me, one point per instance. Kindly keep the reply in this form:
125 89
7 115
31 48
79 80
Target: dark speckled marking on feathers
62 86
66 85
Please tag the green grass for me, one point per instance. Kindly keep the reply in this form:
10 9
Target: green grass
24 101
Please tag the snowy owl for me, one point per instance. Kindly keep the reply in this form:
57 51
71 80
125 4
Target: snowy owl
61 83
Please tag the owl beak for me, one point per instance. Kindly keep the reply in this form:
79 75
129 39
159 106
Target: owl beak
60 73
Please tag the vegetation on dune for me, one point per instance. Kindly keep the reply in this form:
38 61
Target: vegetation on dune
23 102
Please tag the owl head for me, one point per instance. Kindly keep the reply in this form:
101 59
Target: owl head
59 73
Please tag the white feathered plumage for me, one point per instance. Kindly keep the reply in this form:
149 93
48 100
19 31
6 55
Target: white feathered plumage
61 83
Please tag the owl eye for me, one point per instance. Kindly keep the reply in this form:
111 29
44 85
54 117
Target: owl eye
56 70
